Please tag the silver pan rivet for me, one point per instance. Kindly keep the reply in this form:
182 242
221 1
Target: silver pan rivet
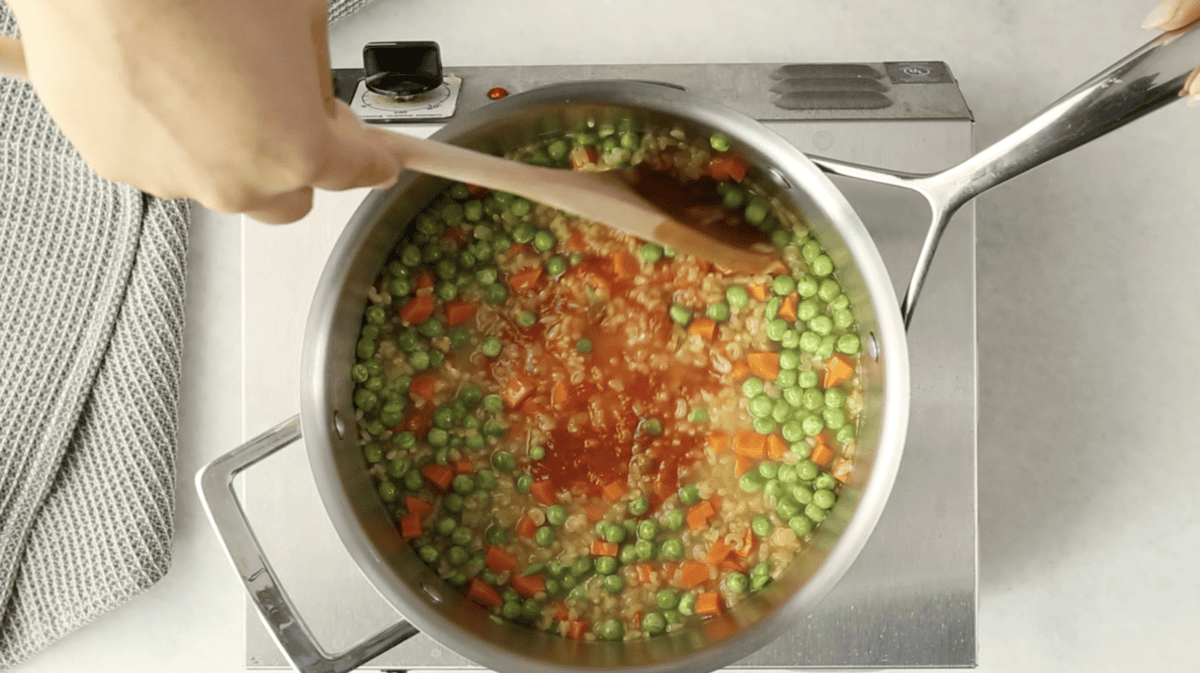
339 426
873 347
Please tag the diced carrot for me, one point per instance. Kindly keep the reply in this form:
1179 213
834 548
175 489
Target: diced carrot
705 328
693 574
526 527
410 526
666 481
625 265
637 617
787 309
644 571
438 476
477 192
459 311
500 560
764 364
821 455
776 447
838 369
699 514
543 492
740 369
841 469
732 563
750 444
424 386
418 420
726 166
560 395
463 466
604 548
576 628
456 234
582 156
525 279
528 585
517 390
715 501
596 511
758 291
417 310
481 593
615 490
561 611
424 279
718 441
743 464
708 603
718 551
720 626
418 506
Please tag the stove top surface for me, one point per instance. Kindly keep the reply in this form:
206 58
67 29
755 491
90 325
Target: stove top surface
910 599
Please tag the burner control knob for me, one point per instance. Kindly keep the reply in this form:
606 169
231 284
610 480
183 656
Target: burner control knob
402 70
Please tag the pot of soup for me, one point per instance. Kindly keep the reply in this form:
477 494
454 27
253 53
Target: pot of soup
553 447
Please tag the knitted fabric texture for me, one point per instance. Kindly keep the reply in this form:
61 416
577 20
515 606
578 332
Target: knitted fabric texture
91 328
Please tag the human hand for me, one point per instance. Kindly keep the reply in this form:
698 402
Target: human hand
226 102
1173 15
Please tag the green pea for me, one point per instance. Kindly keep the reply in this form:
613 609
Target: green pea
524 232
719 311
581 566
511 610
544 241
752 387
771 310
845 434
644 550
615 534
801 525
431 253
687 604
737 583
497 535
372 452
733 198
689 494
555 266
544 536
359 373
613 584
737 296
553 588
438 437
828 290
848 343
720 142
825 350
453 503
654 624
835 398
782 411
630 140
780 238
673 519
764 426
445 526
807 470
761 525
420 360
680 314
824 480
456 556
839 302
410 256
463 484
397 467
821 325
821 266
473 210
672 550
584 346
404 440
752 481
365 399
524 483
756 211
768 470
459 191
824 498
807 310
628 554
776 328
520 207
374 428
809 342
388 491
461 536
493 403
760 405
504 461
365 348
807 286
473 441
813 425
557 150
612 629
491 347
783 285
842 318
647 530
651 252
638 506
531 609
413 481
652 426
815 512
495 293
556 515
428 554
698 415
666 599
787 507
491 428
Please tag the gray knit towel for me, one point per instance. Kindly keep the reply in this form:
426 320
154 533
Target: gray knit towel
91 330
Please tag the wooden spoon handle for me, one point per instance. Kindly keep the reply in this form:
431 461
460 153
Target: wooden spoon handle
12 58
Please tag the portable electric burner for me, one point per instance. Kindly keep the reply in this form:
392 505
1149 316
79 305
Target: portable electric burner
910 600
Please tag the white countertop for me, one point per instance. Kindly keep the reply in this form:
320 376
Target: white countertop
1088 316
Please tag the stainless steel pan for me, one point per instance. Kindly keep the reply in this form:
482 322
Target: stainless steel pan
1143 81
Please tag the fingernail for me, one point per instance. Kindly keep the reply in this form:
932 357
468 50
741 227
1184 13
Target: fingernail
1164 11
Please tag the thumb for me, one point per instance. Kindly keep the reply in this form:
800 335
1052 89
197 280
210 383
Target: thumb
358 155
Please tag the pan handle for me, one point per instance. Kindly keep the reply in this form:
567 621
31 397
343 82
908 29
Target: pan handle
215 485
1138 84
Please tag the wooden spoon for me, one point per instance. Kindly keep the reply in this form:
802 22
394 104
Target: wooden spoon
604 197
